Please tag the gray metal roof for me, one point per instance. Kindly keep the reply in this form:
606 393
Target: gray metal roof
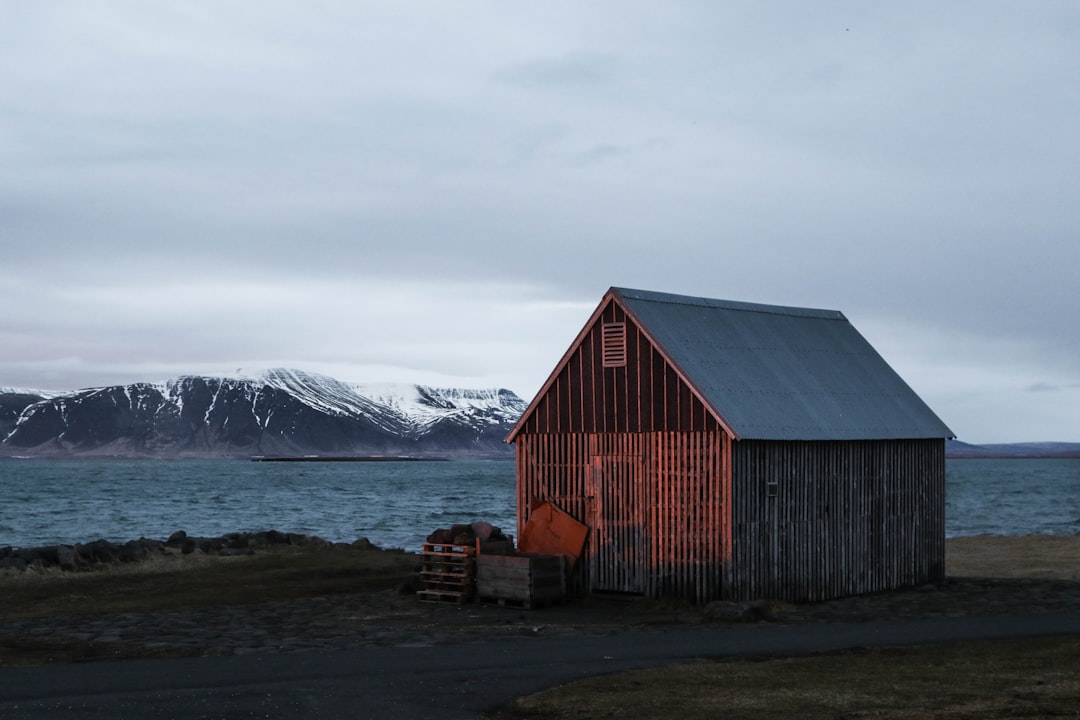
783 373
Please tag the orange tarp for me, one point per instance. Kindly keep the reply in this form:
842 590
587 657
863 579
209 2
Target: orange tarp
551 531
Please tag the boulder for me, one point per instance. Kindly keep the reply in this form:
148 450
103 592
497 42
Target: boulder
68 558
466 534
268 537
237 541
440 536
483 531
210 545
136 550
462 534
79 557
49 555
100 551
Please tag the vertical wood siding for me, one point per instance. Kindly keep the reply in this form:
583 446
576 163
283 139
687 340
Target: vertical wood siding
615 502
676 508
819 520
646 395
554 468
689 514
634 455
657 506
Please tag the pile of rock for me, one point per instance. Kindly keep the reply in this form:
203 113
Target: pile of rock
103 552
467 534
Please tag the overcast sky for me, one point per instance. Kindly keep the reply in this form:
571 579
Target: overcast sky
441 192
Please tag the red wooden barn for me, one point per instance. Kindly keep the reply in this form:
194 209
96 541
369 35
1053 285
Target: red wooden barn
728 450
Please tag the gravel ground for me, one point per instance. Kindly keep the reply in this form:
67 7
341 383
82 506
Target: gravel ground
990 576
392 618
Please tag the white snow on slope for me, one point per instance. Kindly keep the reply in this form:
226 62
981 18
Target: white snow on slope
413 407
46 394
399 408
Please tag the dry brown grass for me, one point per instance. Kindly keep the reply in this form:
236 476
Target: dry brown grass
173 581
985 681
1030 678
1027 556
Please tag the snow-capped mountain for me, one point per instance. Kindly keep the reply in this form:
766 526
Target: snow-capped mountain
280 412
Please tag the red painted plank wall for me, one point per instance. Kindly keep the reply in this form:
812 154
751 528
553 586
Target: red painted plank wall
657 505
646 395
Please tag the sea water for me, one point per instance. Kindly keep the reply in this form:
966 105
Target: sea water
393 504
397 504
1037 496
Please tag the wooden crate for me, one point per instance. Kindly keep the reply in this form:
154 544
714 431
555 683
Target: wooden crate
448 573
521 579
495 547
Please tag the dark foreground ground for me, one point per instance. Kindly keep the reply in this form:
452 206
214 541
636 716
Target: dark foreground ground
339 597
294 599
334 632
449 682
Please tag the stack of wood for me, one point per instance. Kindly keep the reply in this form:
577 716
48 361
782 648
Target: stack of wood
477 562
536 575
448 560
448 572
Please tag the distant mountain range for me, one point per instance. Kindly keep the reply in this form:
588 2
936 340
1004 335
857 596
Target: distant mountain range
288 413
279 413
957 449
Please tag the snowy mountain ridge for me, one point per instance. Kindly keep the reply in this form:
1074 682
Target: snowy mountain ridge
418 406
28 391
278 412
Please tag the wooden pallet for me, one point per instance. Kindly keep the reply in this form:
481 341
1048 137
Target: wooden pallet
448 573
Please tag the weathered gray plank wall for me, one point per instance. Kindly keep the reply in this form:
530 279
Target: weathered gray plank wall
828 519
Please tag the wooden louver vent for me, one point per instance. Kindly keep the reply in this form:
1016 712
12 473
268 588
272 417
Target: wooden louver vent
614 350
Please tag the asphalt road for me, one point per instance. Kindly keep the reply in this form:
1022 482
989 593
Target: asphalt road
441 681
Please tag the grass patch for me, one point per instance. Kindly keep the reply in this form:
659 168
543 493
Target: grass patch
51 650
1014 556
173 581
1030 678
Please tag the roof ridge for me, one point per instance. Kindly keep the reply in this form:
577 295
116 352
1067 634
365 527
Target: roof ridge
673 299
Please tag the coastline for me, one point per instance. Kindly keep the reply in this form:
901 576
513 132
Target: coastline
346 458
1030 555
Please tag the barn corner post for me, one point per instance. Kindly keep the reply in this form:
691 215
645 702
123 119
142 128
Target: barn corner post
662 429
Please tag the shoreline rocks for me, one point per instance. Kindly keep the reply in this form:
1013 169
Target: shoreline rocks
98 553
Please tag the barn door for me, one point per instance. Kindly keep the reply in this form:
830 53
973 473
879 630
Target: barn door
618 544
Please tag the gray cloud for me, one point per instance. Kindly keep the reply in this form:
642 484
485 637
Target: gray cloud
1040 387
583 70
447 192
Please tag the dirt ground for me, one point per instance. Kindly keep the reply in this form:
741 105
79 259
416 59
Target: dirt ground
337 598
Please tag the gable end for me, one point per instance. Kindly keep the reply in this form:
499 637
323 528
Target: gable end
615 379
